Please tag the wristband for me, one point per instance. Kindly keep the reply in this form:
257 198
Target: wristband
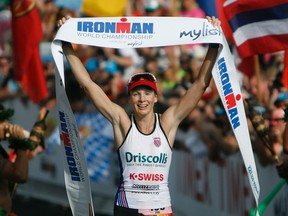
213 45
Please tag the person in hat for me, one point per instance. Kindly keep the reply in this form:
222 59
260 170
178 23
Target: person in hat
144 139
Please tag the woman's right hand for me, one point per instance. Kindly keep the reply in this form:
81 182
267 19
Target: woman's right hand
67 47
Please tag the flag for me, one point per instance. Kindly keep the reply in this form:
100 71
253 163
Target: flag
247 66
259 26
224 22
98 141
26 36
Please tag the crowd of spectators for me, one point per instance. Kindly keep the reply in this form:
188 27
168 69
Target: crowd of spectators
207 129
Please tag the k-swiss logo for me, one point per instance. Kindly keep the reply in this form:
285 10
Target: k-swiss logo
146 177
157 141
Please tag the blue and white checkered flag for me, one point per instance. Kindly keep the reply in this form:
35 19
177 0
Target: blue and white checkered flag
97 137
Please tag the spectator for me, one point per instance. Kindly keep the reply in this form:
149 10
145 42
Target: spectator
282 167
190 8
9 88
14 170
11 173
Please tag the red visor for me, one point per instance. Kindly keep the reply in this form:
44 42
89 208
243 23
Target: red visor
142 79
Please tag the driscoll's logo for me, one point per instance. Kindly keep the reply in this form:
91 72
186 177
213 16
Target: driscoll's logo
139 158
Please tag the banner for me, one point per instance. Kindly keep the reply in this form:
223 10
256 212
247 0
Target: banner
26 36
135 32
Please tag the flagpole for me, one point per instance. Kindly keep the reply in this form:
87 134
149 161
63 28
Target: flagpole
258 77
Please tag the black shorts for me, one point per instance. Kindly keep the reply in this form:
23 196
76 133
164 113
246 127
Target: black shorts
122 211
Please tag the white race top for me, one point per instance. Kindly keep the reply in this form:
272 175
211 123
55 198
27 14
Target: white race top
144 162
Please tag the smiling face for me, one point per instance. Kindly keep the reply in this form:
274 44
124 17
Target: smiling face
142 100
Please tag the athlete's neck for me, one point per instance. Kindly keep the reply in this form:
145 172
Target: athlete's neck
145 124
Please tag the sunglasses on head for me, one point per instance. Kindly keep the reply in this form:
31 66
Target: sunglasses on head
142 76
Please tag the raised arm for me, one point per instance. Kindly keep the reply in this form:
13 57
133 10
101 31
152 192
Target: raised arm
109 109
172 117
113 112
